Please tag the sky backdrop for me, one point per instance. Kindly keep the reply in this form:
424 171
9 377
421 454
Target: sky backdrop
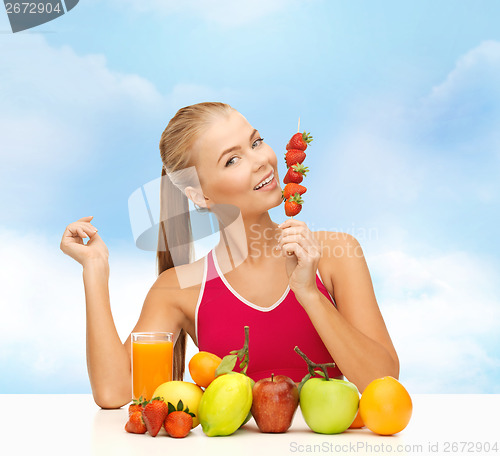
403 101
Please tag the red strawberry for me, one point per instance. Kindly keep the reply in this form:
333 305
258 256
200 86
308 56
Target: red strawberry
136 406
294 156
295 174
178 424
293 188
299 141
154 414
293 205
135 424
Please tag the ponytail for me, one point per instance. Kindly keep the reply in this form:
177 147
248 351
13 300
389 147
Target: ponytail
178 230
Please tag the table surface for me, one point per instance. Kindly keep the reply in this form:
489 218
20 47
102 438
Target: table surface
74 424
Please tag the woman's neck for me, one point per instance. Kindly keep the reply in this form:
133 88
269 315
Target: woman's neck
249 240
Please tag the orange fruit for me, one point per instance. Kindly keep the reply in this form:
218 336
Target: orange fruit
358 422
202 368
385 406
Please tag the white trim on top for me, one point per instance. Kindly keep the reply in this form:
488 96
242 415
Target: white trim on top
200 297
241 298
317 270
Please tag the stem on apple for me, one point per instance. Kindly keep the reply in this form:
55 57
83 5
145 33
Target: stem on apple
243 352
311 366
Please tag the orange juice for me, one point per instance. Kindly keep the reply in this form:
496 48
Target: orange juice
151 365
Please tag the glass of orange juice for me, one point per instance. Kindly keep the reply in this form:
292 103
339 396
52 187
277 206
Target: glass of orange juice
152 362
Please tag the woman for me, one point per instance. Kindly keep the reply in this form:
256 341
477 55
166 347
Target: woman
213 156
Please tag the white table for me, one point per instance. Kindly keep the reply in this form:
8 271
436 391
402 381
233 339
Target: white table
73 424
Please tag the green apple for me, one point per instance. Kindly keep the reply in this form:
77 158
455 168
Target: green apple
328 406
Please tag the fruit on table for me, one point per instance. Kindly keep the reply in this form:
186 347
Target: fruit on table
135 423
385 406
328 406
293 205
225 404
176 390
202 368
178 424
275 400
299 141
154 414
294 156
137 405
295 173
358 422
247 419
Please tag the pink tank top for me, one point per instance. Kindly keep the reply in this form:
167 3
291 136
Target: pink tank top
221 314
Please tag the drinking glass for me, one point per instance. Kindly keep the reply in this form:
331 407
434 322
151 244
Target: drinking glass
152 362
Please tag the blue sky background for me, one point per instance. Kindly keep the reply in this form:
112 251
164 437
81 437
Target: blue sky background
403 100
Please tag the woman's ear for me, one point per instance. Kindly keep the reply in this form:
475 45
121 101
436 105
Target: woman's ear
195 196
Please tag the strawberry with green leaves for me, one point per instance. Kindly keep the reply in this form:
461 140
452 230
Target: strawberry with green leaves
292 188
154 415
294 156
179 421
299 141
295 174
135 423
293 205
137 405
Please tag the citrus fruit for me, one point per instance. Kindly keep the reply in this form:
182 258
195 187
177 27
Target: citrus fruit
357 423
385 406
202 368
188 392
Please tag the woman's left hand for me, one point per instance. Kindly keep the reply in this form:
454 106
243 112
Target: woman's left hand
302 252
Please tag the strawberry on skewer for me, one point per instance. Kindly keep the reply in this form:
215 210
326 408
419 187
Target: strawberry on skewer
295 173
292 188
299 141
294 156
292 207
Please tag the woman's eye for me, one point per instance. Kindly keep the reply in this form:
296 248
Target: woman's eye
259 141
230 160
256 143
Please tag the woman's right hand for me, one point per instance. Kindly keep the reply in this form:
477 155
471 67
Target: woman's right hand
72 242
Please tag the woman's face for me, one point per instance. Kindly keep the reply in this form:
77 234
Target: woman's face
231 160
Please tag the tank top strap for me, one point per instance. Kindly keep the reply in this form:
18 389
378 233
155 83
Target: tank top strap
211 270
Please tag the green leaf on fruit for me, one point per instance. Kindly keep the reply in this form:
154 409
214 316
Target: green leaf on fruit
320 373
171 407
227 365
180 406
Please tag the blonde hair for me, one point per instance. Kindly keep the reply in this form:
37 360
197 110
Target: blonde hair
175 148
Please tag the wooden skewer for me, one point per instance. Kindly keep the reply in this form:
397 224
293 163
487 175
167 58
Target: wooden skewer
298 126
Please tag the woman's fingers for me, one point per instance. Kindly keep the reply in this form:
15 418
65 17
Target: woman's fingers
86 219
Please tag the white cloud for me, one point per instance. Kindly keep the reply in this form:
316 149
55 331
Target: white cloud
57 107
223 12
60 111
443 316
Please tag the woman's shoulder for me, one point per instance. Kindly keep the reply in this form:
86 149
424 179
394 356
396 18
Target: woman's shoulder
336 243
183 277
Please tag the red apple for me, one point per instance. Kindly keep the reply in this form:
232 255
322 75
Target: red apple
275 400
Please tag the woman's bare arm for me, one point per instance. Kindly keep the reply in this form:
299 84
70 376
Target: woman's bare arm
108 359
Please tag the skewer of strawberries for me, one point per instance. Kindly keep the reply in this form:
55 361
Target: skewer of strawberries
294 158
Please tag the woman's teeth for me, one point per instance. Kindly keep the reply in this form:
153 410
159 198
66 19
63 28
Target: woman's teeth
269 179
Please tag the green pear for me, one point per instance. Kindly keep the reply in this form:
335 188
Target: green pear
225 404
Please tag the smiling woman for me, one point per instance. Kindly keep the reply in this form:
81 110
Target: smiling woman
283 281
